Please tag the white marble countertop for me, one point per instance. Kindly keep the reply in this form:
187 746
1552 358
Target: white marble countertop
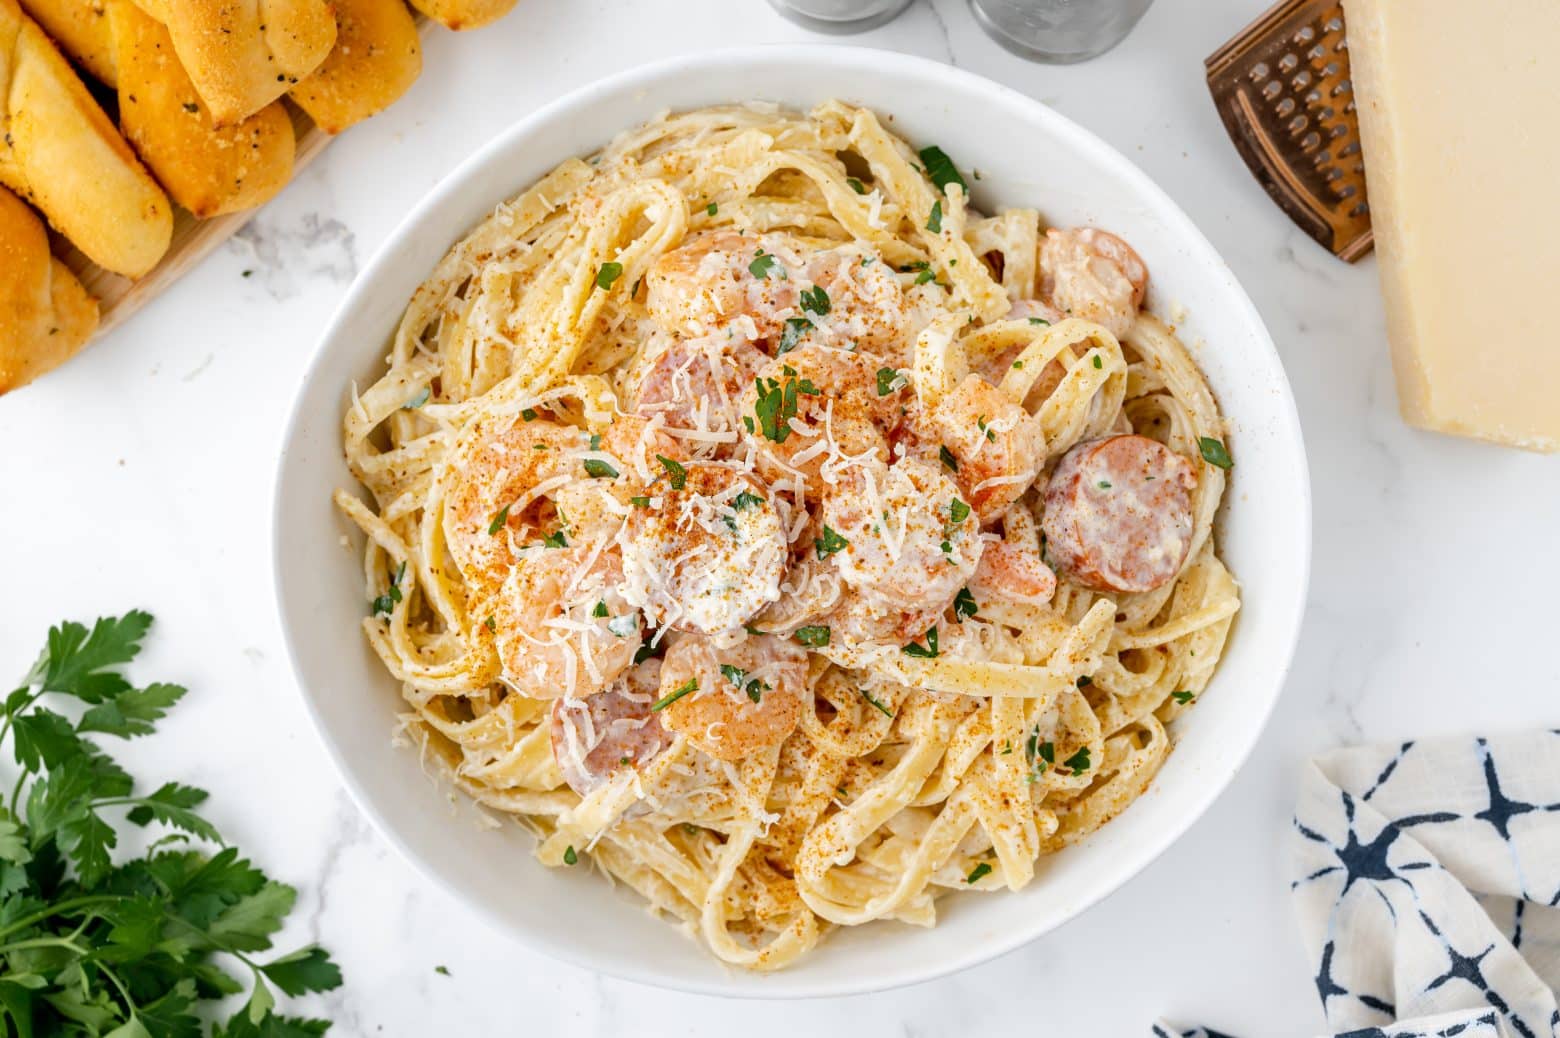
140 475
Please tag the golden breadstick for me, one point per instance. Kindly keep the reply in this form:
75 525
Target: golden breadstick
377 57
45 314
60 152
243 54
80 27
205 169
464 14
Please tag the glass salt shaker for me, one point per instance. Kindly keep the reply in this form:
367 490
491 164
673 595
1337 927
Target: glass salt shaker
840 16
1059 32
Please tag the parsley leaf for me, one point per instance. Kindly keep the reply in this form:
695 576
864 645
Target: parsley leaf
608 273
940 168
678 474
569 857
795 328
958 511
888 380
946 457
934 219
978 872
925 652
1183 697
815 300
1214 452
964 606
499 519
745 500
1078 763
829 543
595 468
555 540
856 185
764 265
812 636
925 276
711 209
1039 320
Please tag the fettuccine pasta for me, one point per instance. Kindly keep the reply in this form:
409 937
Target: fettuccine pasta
753 518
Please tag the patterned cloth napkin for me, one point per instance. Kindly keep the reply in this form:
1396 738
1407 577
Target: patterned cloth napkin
1426 877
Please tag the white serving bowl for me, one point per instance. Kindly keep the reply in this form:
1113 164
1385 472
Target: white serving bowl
1038 158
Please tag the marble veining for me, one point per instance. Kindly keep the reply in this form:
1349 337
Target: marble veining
140 475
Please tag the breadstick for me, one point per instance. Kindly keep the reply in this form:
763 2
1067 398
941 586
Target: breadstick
45 314
377 57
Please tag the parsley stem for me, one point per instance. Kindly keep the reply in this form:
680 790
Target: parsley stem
58 908
42 942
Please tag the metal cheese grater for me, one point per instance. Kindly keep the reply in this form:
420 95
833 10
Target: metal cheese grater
1282 88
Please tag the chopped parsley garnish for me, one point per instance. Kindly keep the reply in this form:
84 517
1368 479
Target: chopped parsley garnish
601 608
940 168
946 457
763 265
639 501
490 624
985 427
815 300
1084 682
958 511
889 380
555 540
1104 484
1018 365
529 414
1099 365
608 273
754 688
1078 763
934 221
1039 320
812 637
745 500
876 702
795 328
595 468
925 652
856 185
691 685
964 604
678 474
830 542
777 400
711 209
926 275
442 971
385 603
1214 452
569 857
499 519
417 401
1183 697
979 872
624 625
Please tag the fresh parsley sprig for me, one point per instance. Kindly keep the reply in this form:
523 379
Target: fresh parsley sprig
128 949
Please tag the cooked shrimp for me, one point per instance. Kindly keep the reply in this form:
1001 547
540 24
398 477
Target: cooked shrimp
780 289
694 384
814 410
726 279
560 623
595 738
1093 274
733 702
1011 573
902 535
489 494
998 446
705 551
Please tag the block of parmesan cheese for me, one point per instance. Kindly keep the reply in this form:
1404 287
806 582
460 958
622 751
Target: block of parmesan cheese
1459 107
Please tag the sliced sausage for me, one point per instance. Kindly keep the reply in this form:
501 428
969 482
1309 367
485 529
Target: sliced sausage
594 737
1118 514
